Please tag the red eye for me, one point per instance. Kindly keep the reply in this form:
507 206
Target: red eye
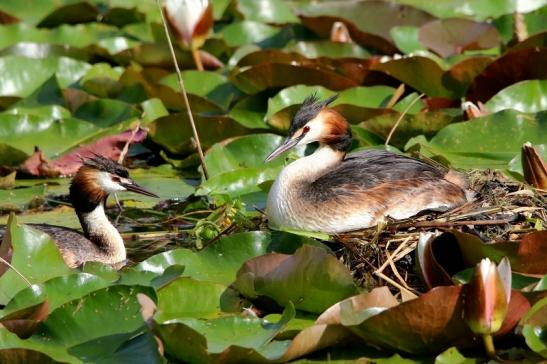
115 179
305 129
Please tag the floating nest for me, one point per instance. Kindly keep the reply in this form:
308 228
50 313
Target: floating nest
502 210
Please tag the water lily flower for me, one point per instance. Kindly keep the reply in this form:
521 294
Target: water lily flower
486 299
191 21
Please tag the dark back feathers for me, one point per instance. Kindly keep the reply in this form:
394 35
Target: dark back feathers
368 169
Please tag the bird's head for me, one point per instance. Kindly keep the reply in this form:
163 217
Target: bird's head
98 177
316 122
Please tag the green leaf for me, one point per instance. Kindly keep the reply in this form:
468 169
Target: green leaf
406 39
51 135
25 74
464 146
106 112
35 256
241 33
174 131
57 291
210 85
525 96
22 198
219 262
238 182
199 341
178 299
477 9
10 156
311 278
243 152
453 356
315 49
266 11
535 327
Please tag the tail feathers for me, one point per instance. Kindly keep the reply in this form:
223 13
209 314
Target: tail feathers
459 180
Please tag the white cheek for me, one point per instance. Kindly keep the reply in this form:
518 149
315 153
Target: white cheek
104 180
316 130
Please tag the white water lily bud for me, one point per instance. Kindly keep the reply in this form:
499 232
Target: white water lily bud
191 20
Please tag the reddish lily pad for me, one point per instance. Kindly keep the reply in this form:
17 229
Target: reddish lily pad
369 22
525 64
449 37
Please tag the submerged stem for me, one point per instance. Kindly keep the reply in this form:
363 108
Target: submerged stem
197 59
489 346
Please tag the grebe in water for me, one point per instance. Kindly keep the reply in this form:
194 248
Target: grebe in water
95 180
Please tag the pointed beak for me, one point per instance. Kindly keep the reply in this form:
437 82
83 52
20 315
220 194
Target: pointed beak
283 148
133 187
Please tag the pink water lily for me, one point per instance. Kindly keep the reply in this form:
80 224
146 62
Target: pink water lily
191 21
486 299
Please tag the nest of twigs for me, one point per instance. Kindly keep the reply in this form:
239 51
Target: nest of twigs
502 210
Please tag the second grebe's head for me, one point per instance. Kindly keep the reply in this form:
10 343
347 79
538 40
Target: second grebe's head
98 177
315 122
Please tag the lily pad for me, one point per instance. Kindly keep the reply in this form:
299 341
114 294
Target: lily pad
311 278
525 96
35 256
201 341
463 145
219 262
26 74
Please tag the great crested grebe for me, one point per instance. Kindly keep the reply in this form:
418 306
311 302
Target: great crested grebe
331 191
95 180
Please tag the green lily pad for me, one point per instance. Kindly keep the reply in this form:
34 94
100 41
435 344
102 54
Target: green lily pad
35 256
22 198
178 300
200 341
246 32
534 328
406 39
477 9
106 112
266 11
219 262
525 96
464 146
25 74
248 151
210 85
315 49
58 291
311 278
174 131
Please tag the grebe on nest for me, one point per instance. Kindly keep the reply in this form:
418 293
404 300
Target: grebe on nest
331 191
95 180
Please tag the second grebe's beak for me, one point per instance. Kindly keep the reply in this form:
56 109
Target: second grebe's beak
290 143
133 187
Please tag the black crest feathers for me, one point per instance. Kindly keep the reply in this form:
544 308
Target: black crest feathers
309 109
106 165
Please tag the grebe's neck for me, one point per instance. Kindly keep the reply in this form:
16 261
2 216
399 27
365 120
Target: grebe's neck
89 205
100 231
311 167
